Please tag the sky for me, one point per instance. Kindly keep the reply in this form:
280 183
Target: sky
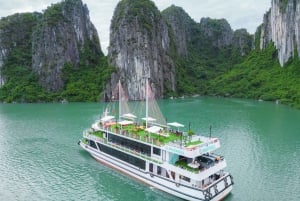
239 13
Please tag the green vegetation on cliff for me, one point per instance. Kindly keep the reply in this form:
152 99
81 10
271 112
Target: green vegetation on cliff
140 11
206 59
53 14
213 59
82 82
87 82
260 76
21 83
222 63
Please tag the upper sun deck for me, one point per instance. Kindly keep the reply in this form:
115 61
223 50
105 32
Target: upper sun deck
180 143
204 145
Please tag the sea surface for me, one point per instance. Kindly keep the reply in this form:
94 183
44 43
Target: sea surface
40 158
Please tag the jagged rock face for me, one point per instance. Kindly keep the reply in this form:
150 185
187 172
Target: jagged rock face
282 26
242 41
15 31
62 34
139 43
182 26
266 28
218 31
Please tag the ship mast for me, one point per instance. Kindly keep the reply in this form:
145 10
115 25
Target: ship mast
120 98
147 102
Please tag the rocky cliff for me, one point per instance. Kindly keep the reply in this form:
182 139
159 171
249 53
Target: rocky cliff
182 26
281 25
44 42
144 42
218 31
15 35
220 34
139 46
215 32
63 33
59 49
242 41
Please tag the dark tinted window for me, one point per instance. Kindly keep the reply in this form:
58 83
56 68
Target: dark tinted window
151 167
124 157
93 144
156 151
131 144
158 170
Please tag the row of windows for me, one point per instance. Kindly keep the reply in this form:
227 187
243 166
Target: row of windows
159 170
139 147
123 156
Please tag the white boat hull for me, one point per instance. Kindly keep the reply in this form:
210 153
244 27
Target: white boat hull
161 183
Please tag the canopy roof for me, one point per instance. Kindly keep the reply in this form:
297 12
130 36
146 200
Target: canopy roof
154 129
125 122
148 119
107 118
129 115
176 124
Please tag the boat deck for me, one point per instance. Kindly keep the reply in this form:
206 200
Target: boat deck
164 137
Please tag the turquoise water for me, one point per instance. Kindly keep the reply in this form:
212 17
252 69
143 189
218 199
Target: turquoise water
40 158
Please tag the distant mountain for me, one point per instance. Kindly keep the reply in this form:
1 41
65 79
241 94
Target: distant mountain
50 55
271 71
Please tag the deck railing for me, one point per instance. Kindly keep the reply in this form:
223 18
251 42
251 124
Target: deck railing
120 147
178 143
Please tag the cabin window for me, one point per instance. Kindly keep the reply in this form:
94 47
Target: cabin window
93 144
173 175
156 151
151 167
185 178
99 146
158 170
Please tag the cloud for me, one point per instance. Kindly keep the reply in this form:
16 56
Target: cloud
101 13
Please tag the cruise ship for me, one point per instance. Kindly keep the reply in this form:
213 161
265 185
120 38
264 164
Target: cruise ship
157 153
